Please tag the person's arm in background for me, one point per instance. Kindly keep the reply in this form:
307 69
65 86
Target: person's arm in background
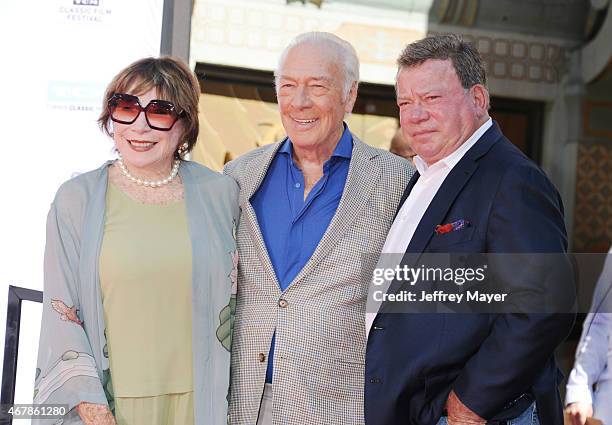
592 350
591 358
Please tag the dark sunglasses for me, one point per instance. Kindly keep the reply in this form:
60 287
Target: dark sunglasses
160 114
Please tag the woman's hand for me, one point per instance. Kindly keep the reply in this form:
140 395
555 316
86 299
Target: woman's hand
95 414
579 412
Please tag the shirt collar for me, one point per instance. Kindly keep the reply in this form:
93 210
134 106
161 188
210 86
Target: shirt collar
343 149
451 160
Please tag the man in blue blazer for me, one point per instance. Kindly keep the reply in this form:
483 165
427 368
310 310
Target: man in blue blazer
483 196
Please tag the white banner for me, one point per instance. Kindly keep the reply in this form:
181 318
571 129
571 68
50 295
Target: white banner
57 58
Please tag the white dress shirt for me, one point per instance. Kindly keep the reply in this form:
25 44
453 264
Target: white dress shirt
413 209
593 364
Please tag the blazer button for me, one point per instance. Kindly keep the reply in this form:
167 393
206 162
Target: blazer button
261 357
282 303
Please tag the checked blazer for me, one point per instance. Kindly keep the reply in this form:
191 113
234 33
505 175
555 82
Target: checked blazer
319 319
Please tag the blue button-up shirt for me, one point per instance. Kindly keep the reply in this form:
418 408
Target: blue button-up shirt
292 226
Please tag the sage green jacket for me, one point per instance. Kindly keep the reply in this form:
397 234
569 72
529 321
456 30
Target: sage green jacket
73 362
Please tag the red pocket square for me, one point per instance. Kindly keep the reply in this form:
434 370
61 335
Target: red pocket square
451 227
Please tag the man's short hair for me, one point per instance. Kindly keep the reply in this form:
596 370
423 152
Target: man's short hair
465 58
344 52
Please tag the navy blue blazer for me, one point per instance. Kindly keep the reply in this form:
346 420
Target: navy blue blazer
498 364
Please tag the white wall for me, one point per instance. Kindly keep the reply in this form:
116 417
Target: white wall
57 58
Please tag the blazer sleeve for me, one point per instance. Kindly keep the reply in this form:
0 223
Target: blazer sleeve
592 351
591 358
526 217
66 370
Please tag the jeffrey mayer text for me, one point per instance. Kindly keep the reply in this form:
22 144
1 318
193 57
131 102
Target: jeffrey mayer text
439 296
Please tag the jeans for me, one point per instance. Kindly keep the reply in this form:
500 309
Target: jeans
528 417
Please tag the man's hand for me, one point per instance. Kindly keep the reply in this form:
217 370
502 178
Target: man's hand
95 414
579 412
459 413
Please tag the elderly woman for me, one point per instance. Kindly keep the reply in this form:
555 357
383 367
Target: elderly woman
140 267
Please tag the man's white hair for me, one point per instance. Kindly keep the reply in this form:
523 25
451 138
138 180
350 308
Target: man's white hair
344 52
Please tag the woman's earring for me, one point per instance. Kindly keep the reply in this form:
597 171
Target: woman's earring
182 150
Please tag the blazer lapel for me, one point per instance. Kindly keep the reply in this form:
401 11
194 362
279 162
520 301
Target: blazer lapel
361 180
253 180
411 183
445 197
440 205
450 189
250 184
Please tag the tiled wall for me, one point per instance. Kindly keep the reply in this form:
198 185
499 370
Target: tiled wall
593 211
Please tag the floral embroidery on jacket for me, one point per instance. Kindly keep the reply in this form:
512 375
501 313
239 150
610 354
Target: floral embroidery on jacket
226 315
66 313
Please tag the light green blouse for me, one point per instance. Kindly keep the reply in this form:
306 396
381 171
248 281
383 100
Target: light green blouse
73 364
145 277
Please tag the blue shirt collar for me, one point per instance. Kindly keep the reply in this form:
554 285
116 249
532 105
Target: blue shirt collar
344 148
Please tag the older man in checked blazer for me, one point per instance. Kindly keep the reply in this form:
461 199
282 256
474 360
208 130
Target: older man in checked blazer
312 205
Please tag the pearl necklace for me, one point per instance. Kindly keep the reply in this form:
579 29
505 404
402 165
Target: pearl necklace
149 183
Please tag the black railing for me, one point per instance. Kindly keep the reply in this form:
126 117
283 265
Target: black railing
11 340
